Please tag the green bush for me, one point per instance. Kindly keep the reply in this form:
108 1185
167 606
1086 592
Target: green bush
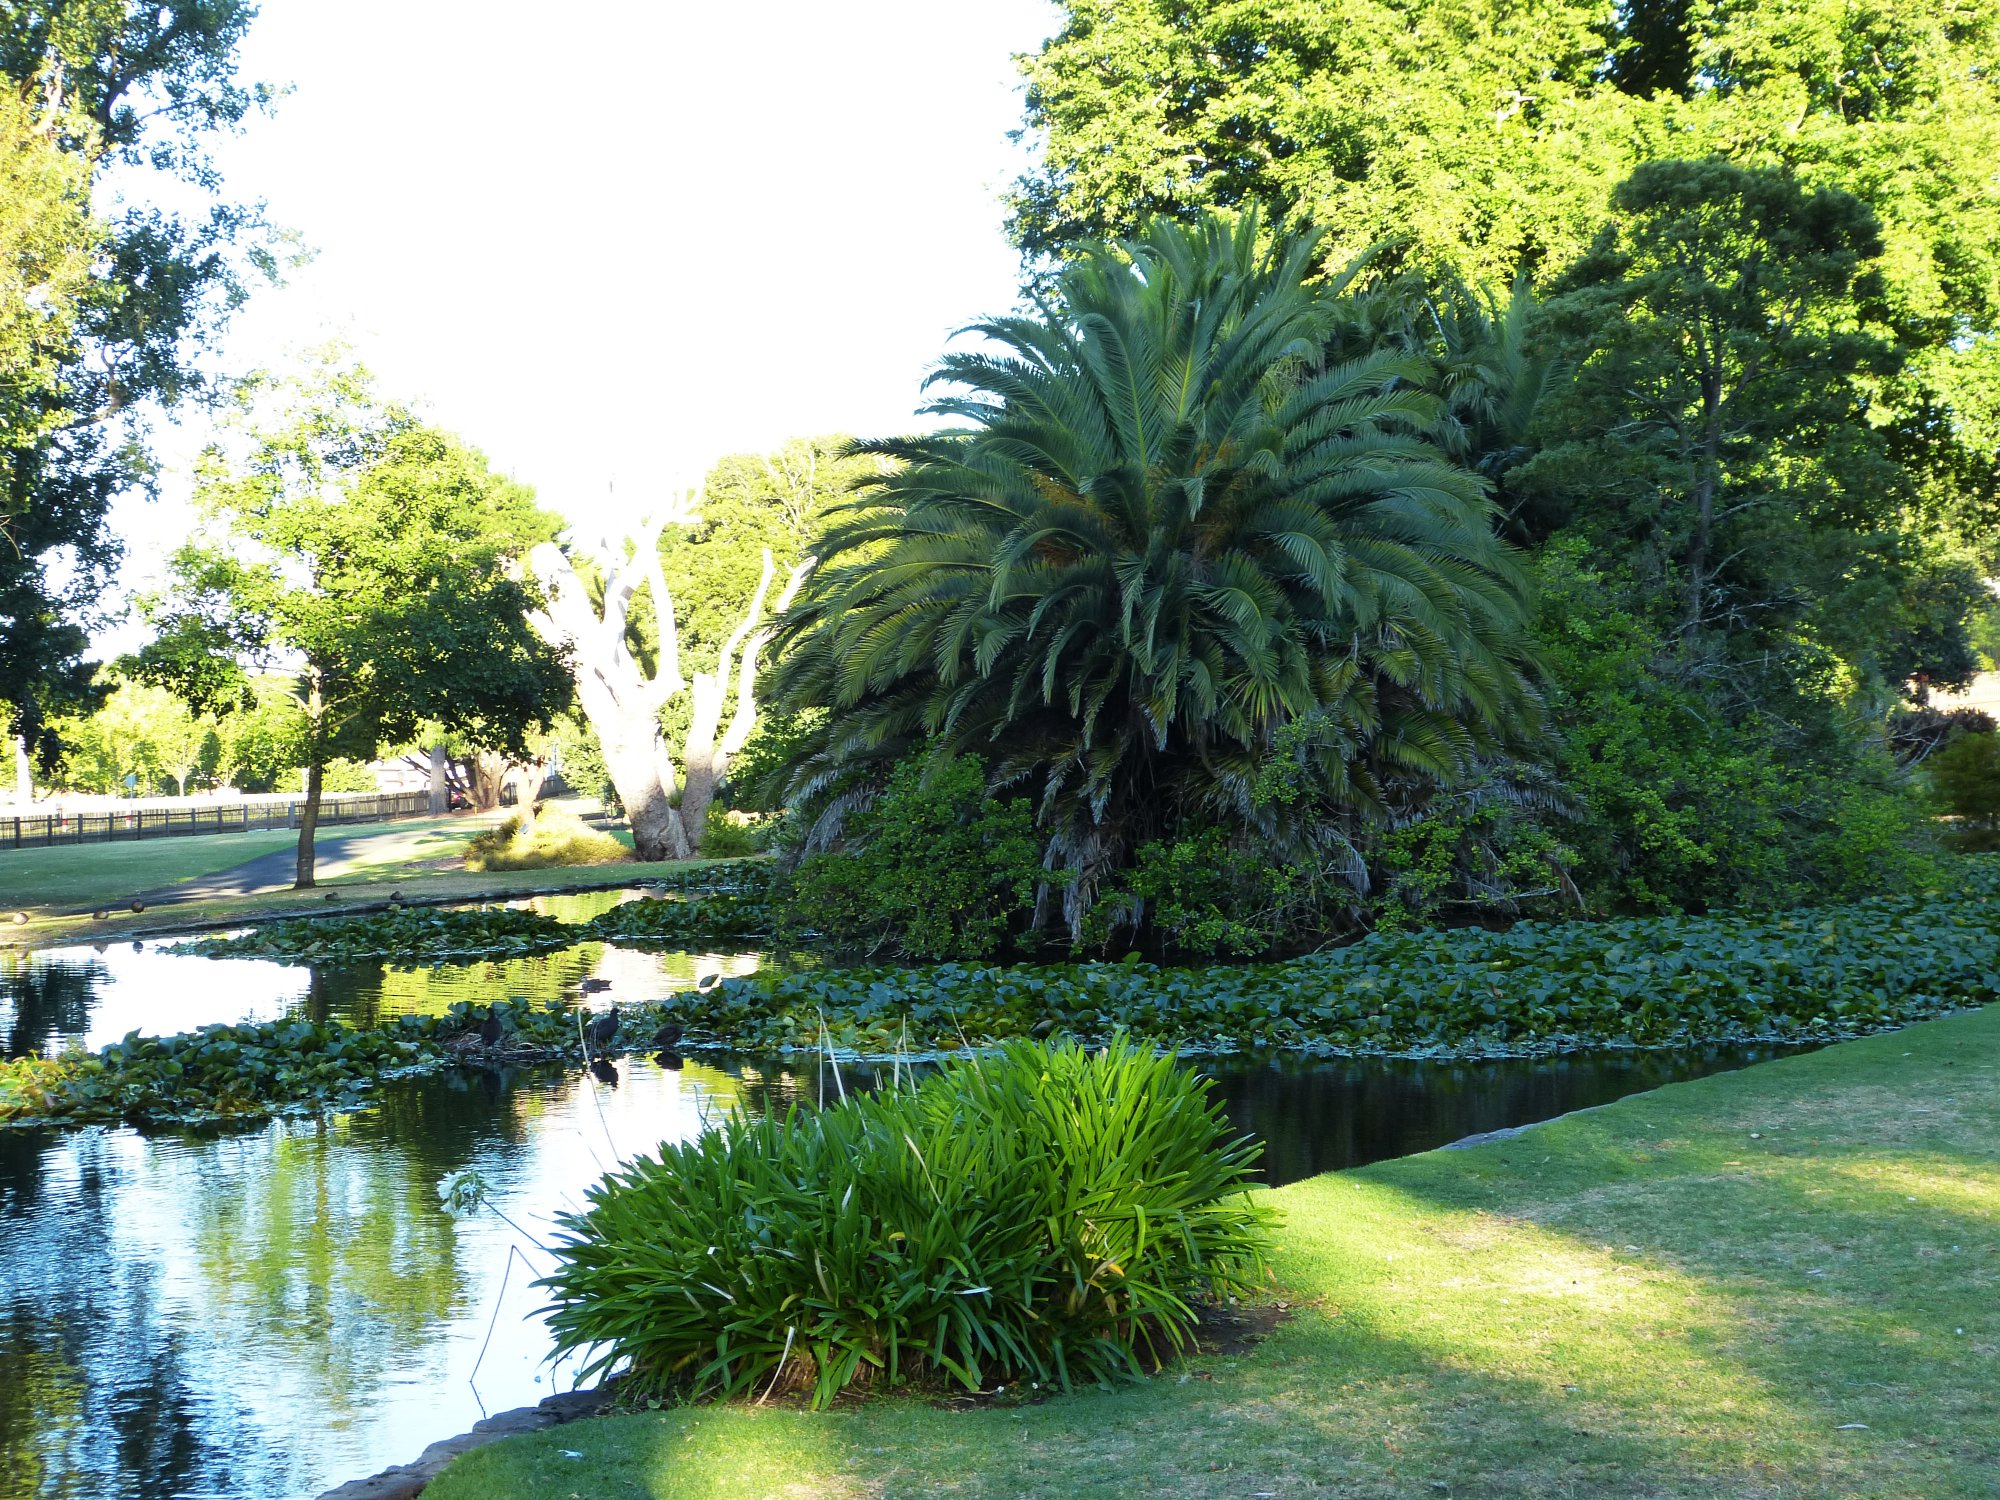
548 840
727 835
1467 857
1049 1215
1966 777
1202 896
1690 798
933 869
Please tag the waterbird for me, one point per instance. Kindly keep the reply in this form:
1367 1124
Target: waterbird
489 1033
708 982
604 1072
668 1037
600 1031
593 984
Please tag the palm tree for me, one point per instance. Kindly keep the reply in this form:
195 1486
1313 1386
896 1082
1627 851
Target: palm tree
1175 565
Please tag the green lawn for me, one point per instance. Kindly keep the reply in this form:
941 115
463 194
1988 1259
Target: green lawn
416 858
36 880
1778 1284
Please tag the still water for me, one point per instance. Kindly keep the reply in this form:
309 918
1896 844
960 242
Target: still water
267 1312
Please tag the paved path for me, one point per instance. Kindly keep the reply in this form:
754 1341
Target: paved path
338 852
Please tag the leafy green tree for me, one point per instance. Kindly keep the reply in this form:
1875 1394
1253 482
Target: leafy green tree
1720 414
103 318
1490 137
1170 527
378 554
262 743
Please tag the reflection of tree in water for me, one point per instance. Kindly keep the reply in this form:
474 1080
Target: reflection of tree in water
1323 1114
43 1001
368 994
95 1395
313 1225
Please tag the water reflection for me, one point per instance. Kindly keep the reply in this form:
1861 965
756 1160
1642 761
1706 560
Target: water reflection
268 1311
92 996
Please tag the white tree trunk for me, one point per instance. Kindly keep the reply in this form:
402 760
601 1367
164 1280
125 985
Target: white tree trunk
623 704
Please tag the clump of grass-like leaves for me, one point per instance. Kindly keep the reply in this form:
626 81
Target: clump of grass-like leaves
547 840
1048 1214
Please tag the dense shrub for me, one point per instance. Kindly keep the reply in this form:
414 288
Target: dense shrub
1200 896
934 868
731 835
1966 777
546 840
1049 1215
1687 798
1468 856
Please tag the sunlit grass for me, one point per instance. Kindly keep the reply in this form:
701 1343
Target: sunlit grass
1778 1284
41 880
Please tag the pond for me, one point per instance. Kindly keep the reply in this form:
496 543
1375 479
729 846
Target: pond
268 1312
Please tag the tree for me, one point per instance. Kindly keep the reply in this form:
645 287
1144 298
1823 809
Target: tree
1722 403
259 743
119 309
623 697
377 553
1173 533
1488 137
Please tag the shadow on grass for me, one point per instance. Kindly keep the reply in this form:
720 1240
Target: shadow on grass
1695 1293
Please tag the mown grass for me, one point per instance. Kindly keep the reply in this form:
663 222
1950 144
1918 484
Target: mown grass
1778 1284
370 892
40 881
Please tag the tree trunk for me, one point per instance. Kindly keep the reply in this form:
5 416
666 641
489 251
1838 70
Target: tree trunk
24 775
489 778
534 776
637 768
308 824
701 767
440 803
1704 498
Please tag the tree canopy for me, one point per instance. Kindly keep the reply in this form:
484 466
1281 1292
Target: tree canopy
103 320
1490 138
377 554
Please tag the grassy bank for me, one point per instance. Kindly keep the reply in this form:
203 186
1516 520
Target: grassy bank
46 882
346 896
1773 1283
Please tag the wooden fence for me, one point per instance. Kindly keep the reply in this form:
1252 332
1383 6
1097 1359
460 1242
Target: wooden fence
40 831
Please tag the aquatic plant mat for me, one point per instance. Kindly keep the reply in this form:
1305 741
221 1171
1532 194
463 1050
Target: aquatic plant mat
1782 1282
1814 975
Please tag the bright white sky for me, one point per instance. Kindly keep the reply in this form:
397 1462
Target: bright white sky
616 241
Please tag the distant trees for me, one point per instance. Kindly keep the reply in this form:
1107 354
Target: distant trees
378 556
